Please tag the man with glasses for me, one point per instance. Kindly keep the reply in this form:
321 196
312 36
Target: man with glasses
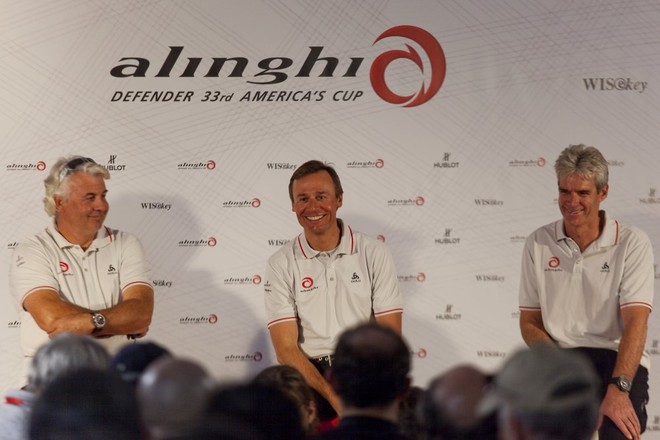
77 275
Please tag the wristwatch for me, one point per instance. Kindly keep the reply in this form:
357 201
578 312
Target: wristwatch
622 382
99 322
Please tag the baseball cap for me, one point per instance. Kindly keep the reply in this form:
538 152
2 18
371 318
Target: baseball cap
132 359
543 379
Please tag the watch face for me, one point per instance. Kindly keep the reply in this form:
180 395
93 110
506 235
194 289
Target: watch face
624 384
99 320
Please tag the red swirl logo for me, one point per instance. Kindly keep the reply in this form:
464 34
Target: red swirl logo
210 165
419 201
434 53
307 282
380 163
421 353
256 279
541 161
553 262
41 165
258 356
213 318
256 203
64 267
380 237
421 277
212 241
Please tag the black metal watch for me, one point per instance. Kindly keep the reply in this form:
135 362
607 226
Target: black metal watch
622 382
99 322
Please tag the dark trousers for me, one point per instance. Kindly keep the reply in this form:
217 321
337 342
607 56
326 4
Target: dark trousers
324 410
603 361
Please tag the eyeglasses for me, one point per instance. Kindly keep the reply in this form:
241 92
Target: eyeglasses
72 165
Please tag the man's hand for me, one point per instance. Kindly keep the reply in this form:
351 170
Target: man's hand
617 407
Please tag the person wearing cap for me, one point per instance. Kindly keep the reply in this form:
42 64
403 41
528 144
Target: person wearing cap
544 392
587 284
133 359
325 280
78 275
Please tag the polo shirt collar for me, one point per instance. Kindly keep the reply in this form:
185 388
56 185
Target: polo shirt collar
346 243
609 236
103 238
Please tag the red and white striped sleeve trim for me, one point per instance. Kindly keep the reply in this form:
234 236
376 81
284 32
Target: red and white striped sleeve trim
139 283
389 312
637 303
530 309
34 289
280 320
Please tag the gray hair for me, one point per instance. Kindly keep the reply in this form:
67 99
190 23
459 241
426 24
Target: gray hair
56 183
584 161
64 354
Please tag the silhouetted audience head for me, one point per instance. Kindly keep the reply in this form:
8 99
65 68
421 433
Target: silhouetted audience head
173 394
545 392
132 359
64 354
251 411
289 380
86 404
371 366
449 408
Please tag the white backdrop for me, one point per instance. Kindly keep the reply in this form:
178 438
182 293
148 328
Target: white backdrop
452 185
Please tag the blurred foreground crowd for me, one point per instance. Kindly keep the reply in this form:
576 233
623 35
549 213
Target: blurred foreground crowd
76 390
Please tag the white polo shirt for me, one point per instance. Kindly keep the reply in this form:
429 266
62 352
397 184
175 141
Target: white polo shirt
580 293
93 279
329 292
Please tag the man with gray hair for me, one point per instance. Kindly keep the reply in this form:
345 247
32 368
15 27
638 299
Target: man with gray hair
77 275
587 284
544 393
64 354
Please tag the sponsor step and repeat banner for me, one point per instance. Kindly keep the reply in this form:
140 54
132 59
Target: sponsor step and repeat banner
443 120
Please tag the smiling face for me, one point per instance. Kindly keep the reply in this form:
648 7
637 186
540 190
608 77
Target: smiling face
80 215
315 204
579 202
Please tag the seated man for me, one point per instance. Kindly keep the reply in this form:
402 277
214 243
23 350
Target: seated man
79 276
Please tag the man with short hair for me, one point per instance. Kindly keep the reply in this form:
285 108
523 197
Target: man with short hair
325 280
79 276
544 393
449 407
587 283
62 355
371 376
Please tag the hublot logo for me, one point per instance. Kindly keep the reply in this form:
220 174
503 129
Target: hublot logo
447 239
448 315
446 163
651 199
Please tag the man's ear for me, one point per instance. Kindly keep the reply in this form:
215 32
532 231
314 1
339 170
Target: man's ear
58 202
340 201
603 192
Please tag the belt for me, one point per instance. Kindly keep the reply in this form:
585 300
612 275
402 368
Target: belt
323 361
